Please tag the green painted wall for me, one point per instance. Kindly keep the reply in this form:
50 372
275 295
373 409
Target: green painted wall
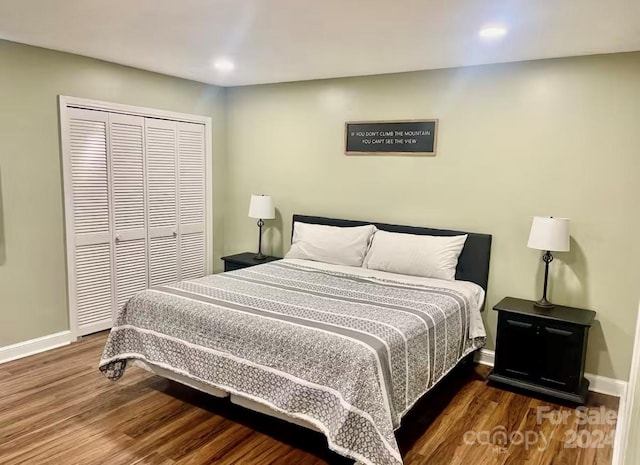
552 137
33 287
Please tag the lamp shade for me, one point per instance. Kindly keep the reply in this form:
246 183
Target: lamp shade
261 206
549 233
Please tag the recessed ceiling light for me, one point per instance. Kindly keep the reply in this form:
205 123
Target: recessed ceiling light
492 32
224 65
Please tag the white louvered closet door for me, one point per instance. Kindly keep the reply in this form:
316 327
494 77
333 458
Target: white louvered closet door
191 189
162 200
126 137
90 271
135 186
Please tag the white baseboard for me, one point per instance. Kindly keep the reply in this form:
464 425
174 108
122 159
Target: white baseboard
608 386
485 357
597 383
34 346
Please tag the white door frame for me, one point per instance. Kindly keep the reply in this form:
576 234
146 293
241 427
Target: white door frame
65 102
629 405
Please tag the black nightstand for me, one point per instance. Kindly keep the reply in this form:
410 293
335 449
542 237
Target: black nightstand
244 260
542 350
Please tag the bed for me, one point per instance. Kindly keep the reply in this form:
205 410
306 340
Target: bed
343 350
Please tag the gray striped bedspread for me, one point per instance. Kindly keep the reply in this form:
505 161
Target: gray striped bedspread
348 353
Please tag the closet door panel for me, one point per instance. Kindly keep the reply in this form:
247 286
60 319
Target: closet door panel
129 210
163 252
90 272
162 200
191 163
131 269
93 287
89 171
192 255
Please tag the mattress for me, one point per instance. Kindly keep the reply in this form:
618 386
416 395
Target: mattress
346 350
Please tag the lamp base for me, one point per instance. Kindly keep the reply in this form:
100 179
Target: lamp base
543 303
260 256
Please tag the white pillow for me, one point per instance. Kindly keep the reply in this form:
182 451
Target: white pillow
330 244
412 254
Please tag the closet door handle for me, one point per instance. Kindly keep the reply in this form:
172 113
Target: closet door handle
118 238
175 234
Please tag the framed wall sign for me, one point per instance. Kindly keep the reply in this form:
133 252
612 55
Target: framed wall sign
402 137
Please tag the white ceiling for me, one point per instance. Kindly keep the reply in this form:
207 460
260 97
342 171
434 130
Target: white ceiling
291 40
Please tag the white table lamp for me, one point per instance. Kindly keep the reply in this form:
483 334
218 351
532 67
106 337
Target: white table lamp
262 208
551 235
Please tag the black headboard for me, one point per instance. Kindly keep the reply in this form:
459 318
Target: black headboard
473 263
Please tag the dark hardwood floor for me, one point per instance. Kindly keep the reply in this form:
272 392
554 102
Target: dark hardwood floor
56 408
